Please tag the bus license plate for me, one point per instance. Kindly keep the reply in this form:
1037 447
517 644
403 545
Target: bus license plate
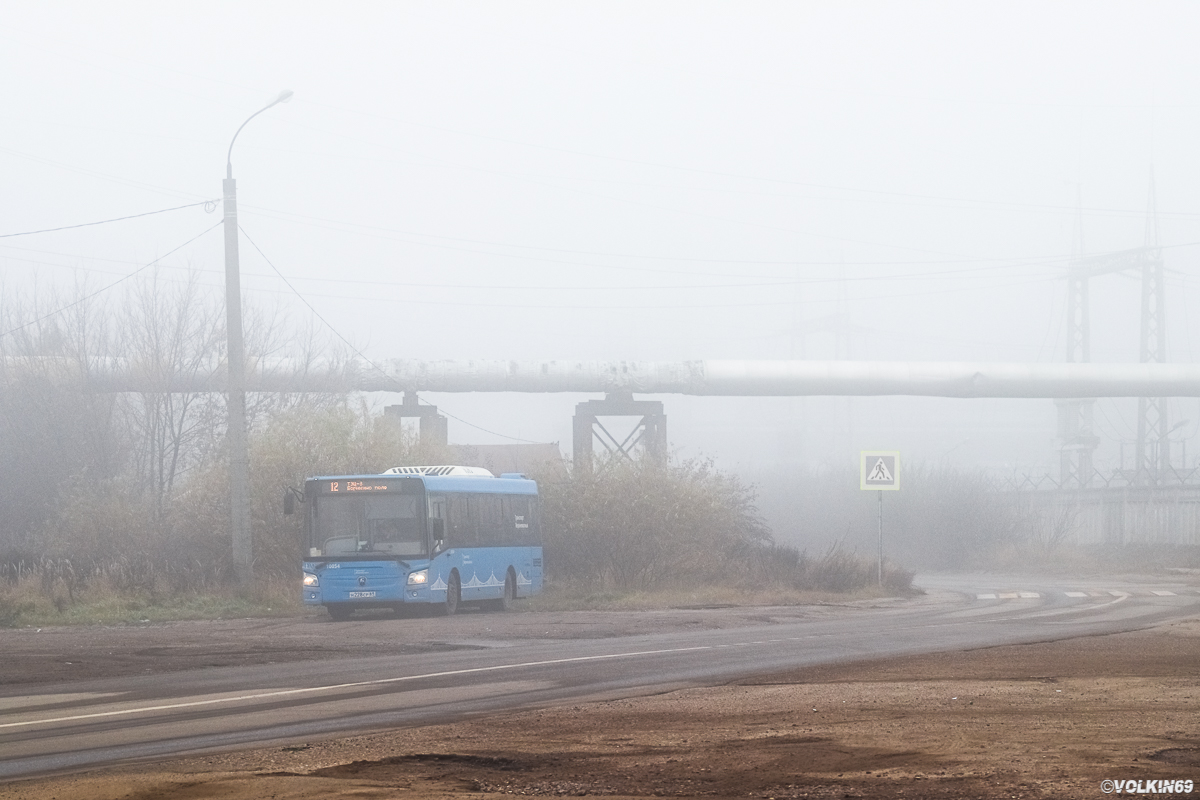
361 595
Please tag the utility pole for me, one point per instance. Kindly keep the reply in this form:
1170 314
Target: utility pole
239 460
880 538
1153 447
1078 442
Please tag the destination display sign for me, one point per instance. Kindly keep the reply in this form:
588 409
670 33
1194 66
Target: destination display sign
354 485
365 485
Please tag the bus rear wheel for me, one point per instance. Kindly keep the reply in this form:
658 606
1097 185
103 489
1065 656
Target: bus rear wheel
508 601
453 594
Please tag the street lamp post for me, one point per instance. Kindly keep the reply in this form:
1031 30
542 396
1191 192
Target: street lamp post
239 462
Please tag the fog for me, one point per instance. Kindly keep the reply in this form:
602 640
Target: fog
621 181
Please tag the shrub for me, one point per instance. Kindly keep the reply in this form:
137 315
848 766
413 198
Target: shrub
638 525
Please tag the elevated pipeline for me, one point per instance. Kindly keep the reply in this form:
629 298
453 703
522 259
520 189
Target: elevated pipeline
728 378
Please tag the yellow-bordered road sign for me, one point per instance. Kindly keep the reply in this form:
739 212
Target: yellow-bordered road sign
880 469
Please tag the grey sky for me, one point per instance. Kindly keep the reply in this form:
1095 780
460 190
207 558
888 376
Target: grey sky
645 181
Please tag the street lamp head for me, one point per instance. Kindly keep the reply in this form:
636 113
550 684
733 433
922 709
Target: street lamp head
283 97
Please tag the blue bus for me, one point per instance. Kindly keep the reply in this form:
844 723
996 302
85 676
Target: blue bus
440 536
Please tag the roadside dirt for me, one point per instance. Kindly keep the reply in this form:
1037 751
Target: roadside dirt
1034 721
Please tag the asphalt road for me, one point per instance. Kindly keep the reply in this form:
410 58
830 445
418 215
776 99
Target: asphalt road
57 727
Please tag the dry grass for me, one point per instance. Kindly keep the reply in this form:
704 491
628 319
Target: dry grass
33 599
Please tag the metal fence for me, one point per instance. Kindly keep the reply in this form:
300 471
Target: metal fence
1099 479
1118 507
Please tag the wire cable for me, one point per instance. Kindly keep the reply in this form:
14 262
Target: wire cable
103 289
209 206
358 352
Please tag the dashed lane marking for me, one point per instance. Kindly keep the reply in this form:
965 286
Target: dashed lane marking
1106 593
357 684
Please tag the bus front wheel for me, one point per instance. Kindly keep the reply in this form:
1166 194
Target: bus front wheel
453 594
340 612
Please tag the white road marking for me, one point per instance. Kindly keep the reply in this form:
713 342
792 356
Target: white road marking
355 685
1118 593
1162 593
8 703
1081 609
985 597
1008 595
1076 594
1028 595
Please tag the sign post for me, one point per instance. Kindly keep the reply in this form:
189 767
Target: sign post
879 470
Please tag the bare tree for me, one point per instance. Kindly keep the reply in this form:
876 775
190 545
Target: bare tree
86 473
170 333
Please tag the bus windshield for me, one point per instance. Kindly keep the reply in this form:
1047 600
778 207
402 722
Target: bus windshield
391 524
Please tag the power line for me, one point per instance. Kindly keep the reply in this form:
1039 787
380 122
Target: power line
781 282
1033 279
355 349
399 235
769 335
209 206
671 306
1050 261
990 262
109 286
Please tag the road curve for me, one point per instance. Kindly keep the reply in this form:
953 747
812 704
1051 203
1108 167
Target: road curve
63 727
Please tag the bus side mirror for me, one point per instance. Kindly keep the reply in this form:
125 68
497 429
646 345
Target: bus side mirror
437 527
289 502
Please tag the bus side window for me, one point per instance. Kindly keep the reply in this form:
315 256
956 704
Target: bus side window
515 519
491 520
522 526
461 531
437 521
437 506
453 512
479 526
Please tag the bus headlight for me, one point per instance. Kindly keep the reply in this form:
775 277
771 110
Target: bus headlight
310 579
418 577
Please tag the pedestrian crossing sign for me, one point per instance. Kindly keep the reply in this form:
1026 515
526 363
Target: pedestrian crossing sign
880 469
